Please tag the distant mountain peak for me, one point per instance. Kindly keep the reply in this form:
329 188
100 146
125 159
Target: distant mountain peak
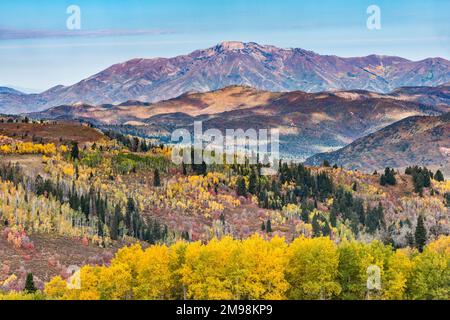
230 46
7 90
263 67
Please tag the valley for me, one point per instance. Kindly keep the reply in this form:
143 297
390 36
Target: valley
309 123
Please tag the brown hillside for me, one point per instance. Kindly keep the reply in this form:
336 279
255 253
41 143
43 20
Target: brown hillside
413 141
54 132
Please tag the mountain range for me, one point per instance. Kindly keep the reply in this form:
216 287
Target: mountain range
363 113
263 67
309 123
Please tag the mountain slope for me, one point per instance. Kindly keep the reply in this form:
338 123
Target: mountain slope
436 96
235 63
192 104
13 101
418 140
308 122
6 90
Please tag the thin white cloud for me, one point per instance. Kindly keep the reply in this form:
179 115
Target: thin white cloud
16 34
99 44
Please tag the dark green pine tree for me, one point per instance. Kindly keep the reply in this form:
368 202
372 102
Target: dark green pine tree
183 165
131 208
419 181
203 168
358 208
439 176
263 226
241 188
75 152
115 222
447 199
269 226
305 211
326 230
252 183
156 179
382 180
354 223
317 232
420 234
372 220
390 177
427 178
144 147
29 284
333 217
265 199
380 214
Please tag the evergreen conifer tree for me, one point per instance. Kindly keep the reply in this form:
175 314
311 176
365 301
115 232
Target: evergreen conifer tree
420 234
29 284
156 178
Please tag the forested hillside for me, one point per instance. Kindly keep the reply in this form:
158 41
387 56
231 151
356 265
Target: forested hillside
212 231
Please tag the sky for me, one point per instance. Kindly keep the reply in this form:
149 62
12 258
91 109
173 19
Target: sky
38 51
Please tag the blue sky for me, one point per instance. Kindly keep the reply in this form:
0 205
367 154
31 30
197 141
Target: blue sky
37 51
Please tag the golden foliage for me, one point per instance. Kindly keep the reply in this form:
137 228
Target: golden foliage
263 269
28 148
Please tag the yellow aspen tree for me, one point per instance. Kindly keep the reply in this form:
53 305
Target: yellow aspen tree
430 276
263 263
212 271
177 257
312 269
114 282
397 275
56 288
354 260
89 279
153 278
130 256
